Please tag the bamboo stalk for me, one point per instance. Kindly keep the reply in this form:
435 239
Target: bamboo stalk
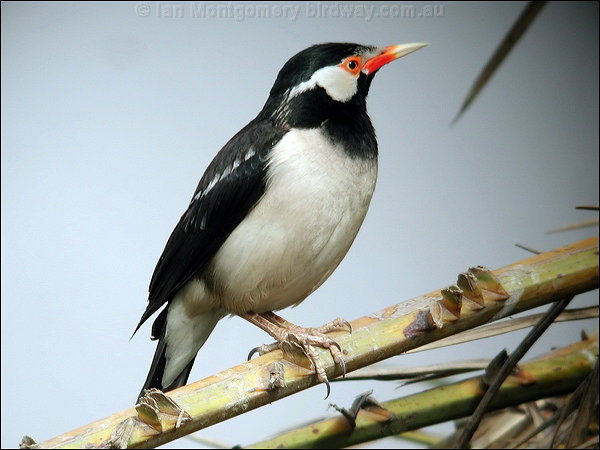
529 283
554 374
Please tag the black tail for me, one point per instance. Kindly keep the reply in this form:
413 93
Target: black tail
157 368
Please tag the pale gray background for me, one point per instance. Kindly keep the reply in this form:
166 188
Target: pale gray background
109 119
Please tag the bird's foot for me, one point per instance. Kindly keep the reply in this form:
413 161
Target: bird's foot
290 337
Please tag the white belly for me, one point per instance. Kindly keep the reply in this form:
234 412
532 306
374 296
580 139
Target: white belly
315 202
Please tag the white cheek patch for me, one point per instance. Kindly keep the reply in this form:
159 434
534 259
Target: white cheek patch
339 84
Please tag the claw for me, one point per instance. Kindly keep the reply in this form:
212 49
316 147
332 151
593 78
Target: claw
252 352
347 324
328 388
263 349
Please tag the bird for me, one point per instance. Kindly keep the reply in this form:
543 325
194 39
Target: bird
274 213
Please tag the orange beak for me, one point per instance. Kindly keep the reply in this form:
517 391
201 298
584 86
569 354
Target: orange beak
389 54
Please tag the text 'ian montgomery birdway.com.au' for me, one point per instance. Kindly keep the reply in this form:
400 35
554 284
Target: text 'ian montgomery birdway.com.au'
315 10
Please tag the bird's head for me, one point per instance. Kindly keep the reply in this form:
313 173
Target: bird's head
327 78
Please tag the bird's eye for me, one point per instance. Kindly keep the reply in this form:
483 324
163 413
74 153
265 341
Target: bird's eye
352 64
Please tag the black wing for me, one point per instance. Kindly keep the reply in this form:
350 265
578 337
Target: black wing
232 184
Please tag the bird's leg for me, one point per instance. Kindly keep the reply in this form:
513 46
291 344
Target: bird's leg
305 339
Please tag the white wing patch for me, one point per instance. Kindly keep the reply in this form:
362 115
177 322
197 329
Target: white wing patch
225 173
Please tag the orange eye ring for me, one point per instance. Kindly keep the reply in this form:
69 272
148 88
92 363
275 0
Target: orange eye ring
352 64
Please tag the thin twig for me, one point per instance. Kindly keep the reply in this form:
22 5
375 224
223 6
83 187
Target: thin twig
512 37
404 373
528 249
580 394
584 412
541 427
469 429
203 440
575 226
506 326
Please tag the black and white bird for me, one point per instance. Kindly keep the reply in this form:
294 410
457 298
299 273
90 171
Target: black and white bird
275 212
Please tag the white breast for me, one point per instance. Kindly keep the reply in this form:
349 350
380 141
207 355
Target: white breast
297 234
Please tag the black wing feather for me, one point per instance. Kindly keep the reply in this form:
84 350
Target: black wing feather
215 210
